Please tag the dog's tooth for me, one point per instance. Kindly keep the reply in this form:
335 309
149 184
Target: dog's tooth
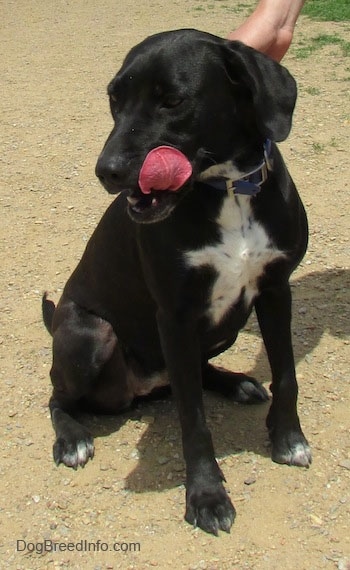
154 202
132 200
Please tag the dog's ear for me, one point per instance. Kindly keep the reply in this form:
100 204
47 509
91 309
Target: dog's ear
272 87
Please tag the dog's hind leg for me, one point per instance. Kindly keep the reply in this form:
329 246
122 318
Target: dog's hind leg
74 443
238 387
85 356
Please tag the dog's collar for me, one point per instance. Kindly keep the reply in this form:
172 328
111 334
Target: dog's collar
250 184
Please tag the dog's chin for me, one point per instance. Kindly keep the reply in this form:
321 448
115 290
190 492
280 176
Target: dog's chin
151 208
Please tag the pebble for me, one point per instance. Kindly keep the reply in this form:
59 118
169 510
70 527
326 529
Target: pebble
62 505
250 481
345 463
308 358
163 460
316 520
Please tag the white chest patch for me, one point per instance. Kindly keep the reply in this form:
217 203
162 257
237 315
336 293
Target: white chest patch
239 260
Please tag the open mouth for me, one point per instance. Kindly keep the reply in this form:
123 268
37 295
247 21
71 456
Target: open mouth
163 174
152 207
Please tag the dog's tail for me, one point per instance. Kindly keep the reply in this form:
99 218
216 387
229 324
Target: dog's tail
48 308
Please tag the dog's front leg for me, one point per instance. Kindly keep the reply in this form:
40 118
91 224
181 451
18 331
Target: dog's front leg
289 445
207 503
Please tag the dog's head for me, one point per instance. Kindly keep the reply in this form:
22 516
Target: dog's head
212 99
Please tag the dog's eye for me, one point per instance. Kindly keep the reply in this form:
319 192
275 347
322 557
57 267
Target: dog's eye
113 97
171 101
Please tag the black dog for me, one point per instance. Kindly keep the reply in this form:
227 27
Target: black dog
170 277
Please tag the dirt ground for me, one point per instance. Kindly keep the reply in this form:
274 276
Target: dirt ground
57 58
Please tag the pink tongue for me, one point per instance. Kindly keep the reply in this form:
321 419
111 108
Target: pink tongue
164 168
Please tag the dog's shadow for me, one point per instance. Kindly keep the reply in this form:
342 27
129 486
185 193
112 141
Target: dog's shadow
320 302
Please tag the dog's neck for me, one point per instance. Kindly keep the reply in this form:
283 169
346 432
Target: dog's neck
228 178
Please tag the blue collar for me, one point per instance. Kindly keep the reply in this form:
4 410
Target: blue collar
250 184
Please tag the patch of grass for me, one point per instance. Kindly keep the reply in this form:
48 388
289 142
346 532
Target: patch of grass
334 143
236 9
243 5
312 90
206 5
320 41
327 10
318 147
346 48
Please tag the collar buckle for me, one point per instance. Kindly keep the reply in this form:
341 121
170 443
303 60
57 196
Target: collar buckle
250 184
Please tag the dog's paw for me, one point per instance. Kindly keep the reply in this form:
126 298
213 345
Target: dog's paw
247 390
292 449
210 509
236 386
73 452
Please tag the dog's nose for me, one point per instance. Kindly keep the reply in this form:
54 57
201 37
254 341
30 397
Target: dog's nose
112 172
